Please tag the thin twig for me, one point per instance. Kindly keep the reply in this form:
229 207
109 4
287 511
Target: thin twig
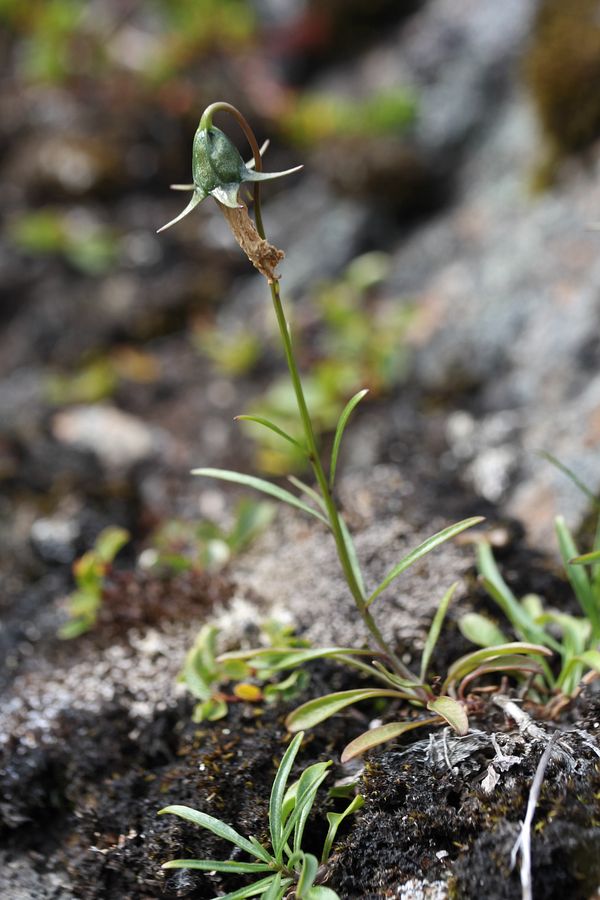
523 842
525 723
445 745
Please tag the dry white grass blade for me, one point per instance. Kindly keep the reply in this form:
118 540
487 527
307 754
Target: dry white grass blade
524 722
523 842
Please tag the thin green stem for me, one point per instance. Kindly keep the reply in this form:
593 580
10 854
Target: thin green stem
313 453
330 506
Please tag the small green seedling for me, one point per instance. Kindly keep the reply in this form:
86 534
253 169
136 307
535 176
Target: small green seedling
92 249
234 352
574 638
285 867
444 701
90 572
316 117
205 546
209 677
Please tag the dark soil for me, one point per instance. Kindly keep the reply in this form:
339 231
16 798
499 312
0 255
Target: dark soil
101 782
427 818
85 803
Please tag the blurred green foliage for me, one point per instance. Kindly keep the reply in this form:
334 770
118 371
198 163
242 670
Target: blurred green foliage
49 29
90 572
70 38
180 545
87 246
361 342
92 383
201 25
314 117
98 378
233 353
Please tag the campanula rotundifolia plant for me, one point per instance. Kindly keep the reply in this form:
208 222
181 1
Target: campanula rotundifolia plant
219 171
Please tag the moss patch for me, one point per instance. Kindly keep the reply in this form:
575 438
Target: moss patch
562 71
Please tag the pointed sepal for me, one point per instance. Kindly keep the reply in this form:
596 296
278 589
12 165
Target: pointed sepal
196 199
250 175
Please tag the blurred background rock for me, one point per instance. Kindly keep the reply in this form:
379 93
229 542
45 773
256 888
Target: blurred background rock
438 253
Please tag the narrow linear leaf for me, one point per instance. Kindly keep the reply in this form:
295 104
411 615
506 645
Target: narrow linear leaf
335 820
370 669
434 631
272 427
422 550
259 888
585 558
259 484
514 663
308 785
452 711
339 432
217 827
572 476
533 606
351 551
570 676
516 613
488 567
289 802
397 680
497 588
273 891
591 658
577 575
315 711
309 491
216 865
381 735
525 627
575 631
471 661
278 794
278 660
259 848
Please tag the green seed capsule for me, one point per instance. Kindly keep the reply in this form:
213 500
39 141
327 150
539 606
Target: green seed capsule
216 162
218 170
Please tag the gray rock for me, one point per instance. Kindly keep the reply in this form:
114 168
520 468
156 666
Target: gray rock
292 572
118 439
21 880
459 58
508 294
